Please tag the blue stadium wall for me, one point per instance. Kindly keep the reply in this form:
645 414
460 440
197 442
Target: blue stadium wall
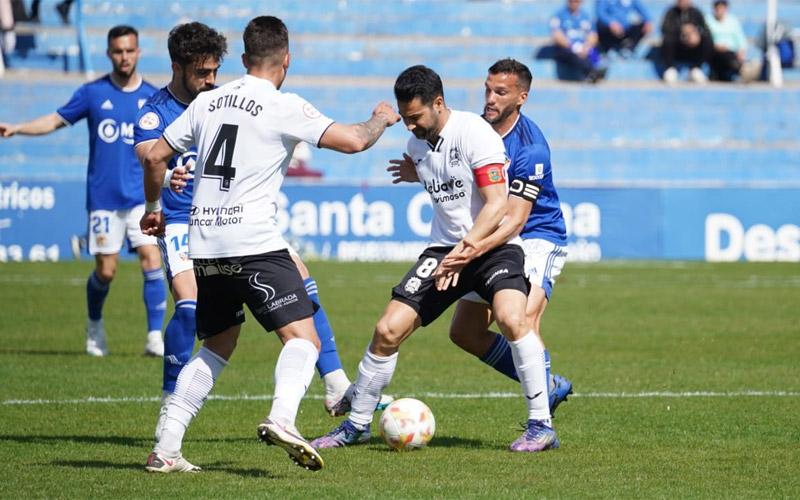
39 218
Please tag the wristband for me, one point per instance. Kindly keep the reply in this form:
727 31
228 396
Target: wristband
167 178
152 206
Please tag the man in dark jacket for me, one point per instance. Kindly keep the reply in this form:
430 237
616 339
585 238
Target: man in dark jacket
686 39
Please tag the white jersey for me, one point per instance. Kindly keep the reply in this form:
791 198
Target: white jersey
245 132
466 143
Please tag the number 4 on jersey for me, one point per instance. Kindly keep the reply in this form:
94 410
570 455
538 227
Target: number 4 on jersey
224 144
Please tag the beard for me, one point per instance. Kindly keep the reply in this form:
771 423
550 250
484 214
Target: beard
125 73
191 90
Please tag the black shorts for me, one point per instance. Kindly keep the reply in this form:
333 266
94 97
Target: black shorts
498 269
268 283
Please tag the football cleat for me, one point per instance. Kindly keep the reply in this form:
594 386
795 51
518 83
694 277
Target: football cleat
345 434
96 339
155 345
159 463
338 405
561 389
288 438
537 437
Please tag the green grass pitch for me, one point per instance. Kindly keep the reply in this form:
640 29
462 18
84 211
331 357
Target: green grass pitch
687 381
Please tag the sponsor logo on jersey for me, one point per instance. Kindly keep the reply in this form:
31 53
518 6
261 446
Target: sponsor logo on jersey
109 131
107 104
310 111
538 169
149 121
141 102
442 192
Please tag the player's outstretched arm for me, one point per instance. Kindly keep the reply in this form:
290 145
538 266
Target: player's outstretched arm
403 170
155 166
39 126
359 136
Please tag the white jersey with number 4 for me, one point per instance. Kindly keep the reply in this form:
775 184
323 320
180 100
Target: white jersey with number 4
245 132
448 171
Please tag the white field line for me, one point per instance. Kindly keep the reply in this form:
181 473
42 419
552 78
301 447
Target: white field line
423 395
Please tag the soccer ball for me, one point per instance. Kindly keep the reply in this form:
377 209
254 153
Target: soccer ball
407 424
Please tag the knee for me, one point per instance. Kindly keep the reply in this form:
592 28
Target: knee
106 274
387 335
513 324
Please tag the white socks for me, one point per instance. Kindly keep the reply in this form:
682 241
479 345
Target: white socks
191 390
528 354
293 374
336 382
374 374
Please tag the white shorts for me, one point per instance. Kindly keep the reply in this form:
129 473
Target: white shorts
175 249
108 230
543 263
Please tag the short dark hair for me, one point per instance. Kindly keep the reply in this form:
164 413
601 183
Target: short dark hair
418 81
265 37
121 30
194 43
513 67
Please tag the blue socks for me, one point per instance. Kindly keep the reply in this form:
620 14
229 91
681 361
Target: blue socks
328 357
178 341
499 357
547 368
96 292
155 298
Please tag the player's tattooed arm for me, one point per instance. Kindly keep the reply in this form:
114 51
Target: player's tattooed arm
359 136
383 116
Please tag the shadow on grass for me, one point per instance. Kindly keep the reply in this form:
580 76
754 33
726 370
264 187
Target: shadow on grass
144 443
115 440
436 442
223 467
45 352
96 464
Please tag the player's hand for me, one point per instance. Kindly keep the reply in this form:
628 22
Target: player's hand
403 170
8 129
180 177
617 29
152 223
461 255
386 112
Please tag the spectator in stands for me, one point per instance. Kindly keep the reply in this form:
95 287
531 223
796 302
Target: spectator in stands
61 7
621 25
8 38
685 39
576 43
730 44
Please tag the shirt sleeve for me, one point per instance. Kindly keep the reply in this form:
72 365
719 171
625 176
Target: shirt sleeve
77 108
483 145
149 125
180 133
303 121
531 163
